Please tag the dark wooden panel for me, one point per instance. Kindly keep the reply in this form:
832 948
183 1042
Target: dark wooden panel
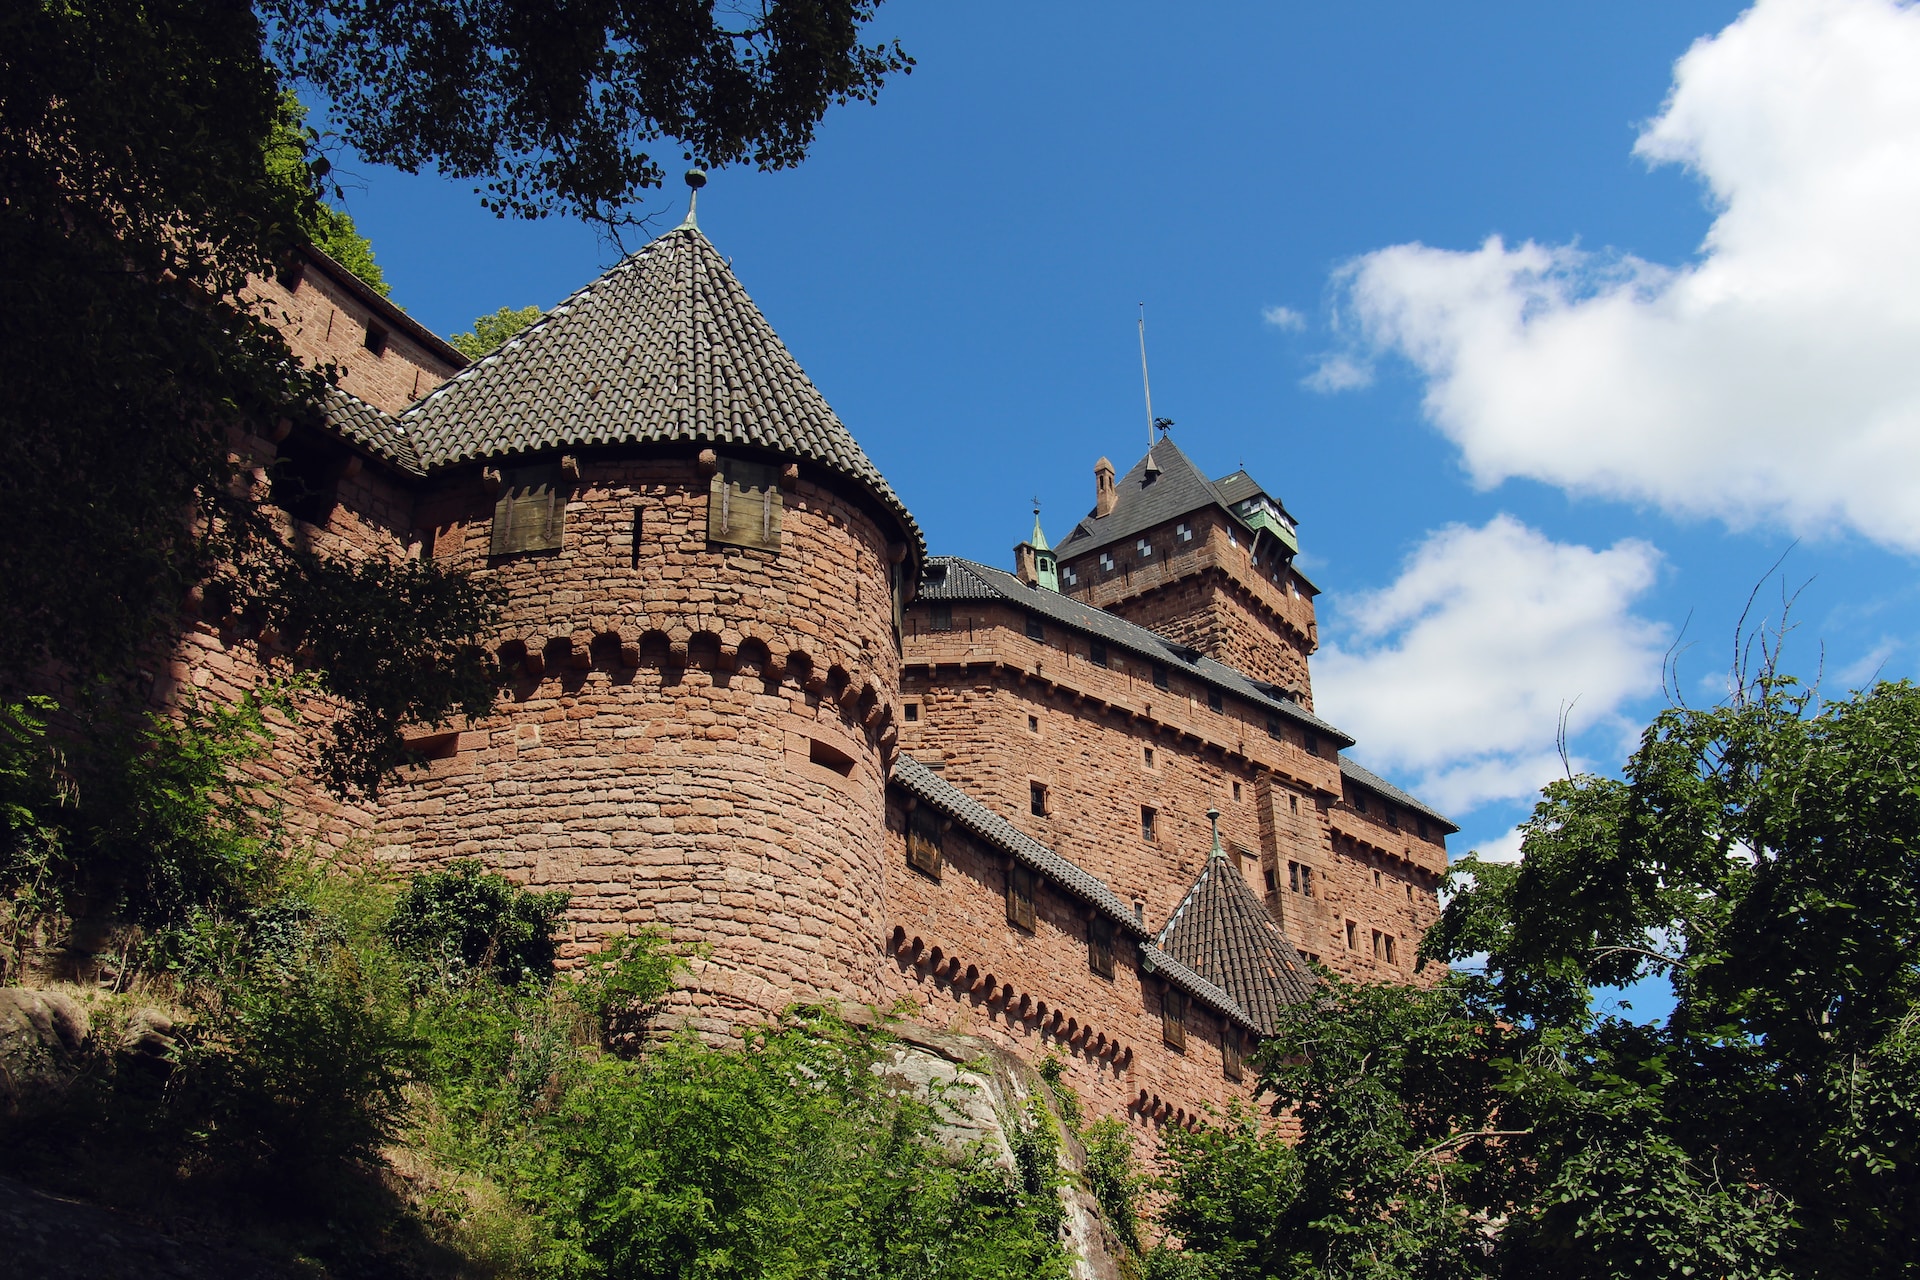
744 505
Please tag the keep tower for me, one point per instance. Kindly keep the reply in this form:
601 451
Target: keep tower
1208 564
702 573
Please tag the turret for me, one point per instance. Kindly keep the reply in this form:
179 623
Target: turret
1033 560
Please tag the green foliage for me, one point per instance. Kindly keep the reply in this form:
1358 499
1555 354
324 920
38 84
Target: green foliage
466 923
490 331
292 150
1766 856
1113 1177
145 822
561 117
1035 1139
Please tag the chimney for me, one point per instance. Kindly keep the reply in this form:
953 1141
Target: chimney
1023 564
1103 492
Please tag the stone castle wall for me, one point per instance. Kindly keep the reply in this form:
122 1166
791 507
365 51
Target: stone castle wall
953 954
697 736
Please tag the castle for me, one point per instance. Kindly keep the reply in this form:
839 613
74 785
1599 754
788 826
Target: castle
1084 805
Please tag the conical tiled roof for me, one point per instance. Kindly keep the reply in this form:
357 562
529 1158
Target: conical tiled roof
665 347
1224 933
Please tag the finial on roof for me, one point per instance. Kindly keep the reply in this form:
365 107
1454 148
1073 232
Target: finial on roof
696 179
1039 539
1213 816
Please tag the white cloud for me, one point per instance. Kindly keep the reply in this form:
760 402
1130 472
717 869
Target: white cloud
1339 372
1284 318
1459 670
1774 379
1870 666
1504 848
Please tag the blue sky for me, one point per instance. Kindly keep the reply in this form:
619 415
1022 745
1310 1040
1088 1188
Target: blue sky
1523 468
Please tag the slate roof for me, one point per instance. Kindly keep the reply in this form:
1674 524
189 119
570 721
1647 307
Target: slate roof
1368 778
930 788
952 578
1179 489
1237 488
665 347
370 427
1223 932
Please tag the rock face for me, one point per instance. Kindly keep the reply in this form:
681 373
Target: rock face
40 1033
980 1089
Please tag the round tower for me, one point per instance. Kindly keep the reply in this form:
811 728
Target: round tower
702 575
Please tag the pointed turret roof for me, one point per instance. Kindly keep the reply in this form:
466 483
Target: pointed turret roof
1162 486
1223 932
664 348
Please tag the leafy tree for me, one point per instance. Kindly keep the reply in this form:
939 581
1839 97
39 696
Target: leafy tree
1765 855
329 229
492 330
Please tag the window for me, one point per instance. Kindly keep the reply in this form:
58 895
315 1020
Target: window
1409 891
1033 724
1106 562
1293 804
529 514
1037 799
1173 1018
1311 742
639 521
1273 729
1145 549
1376 879
1380 941
942 616
1149 823
1423 830
1311 957
744 504
1100 945
1390 956
1236 791
1020 897
912 710
376 340
1183 533
923 841
1096 653
1230 1064
1306 881
1273 881
1146 754
1293 876
828 756
1393 816
1160 677
1214 702
1360 801
1034 630
1353 933
1072 578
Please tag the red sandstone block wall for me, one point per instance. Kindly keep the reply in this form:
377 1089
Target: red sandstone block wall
698 735
326 320
965 968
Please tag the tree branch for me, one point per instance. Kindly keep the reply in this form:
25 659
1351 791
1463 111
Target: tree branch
1459 1138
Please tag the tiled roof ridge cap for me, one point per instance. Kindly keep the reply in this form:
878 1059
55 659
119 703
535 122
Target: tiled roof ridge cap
1193 891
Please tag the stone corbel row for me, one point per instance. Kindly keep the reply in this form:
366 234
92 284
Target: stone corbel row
861 700
1151 1106
935 964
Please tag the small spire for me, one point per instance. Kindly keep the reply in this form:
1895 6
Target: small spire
1039 539
696 179
1213 816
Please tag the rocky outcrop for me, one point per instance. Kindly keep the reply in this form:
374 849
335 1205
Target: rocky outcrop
41 1035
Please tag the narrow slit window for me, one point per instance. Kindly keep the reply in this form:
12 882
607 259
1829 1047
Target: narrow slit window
1236 791
1293 804
1097 653
1020 897
1306 882
1149 823
1034 630
638 524
1214 701
1353 936
1146 754
744 505
1037 799
942 616
1100 945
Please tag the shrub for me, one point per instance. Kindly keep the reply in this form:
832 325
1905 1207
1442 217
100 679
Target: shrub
465 922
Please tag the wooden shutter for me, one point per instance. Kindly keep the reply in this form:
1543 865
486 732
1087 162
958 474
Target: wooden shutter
744 505
1230 1051
1100 945
531 512
1020 897
923 841
1173 1018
